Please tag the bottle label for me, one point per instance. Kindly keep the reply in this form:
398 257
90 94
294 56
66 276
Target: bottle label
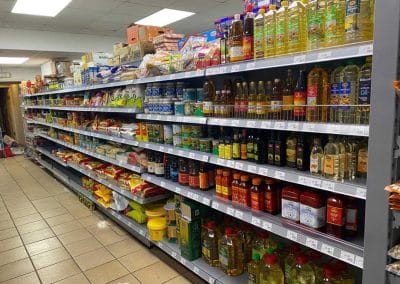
208 108
243 151
228 152
314 26
269 31
236 53
248 42
335 215
244 197
236 107
335 95
226 191
206 252
299 101
221 151
299 157
280 33
290 210
362 165
252 108
203 180
218 189
351 18
159 169
194 181
312 217
255 152
271 201
257 201
288 102
277 155
259 39
223 256
276 106
244 105
235 193
364 91
252 278
312 93
351 219
261 108
316 163
250 150
330 163
183 178
294 31
291 155
330 23
236 151
345 95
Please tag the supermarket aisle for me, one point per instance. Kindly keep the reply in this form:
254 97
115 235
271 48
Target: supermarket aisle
48 236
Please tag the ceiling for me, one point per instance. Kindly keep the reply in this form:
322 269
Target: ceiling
111 17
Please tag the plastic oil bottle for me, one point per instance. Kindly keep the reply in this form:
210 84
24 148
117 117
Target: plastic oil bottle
334 93
348 93
254 269
261 106
290 261
317 95
344 275
251 110
331 159
236 40
271 272
259 34
315 25
364 92
246 236
302 271
210 244
334 22
281 29
297 23
248 35
230 253
358 20
270 31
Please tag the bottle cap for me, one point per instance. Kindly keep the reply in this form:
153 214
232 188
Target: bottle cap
229 231
270 259
256 257
237 17
256 181
226 173
219 172
284 3
329 271
272 7
261 11
301 259
244 178
237 176
211 225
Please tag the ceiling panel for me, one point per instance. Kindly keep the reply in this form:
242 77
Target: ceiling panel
6 5
135 9
95 5
155 3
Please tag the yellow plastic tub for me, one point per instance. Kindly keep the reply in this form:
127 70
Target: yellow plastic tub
157 228
155 212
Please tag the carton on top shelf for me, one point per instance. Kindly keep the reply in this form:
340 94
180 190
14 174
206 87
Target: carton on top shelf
137 33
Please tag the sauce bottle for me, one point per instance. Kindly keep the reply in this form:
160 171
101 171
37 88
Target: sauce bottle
250 146
243 145
257 194
244 191
271 196
268 96
248 38
271 149
288 97
251 110
270 31
174 170
317 158
351 217
276 100
203 177
194 179
312 209
183 176
211 176
218 183
226 184
291 203
228 155
336 216
279 151
260 148
291 143
259 34
300 97
261 105
209 246
236 40
230 251
302 153
209 93
236 146
235 187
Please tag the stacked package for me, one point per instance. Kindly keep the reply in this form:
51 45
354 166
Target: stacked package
167 42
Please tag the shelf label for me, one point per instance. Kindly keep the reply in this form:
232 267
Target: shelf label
239 214
222 69
177 189
162 183
230 211
141 232
206 201
162 149
361 192
195 197
291 235
250 65
359 261
328 185
311 243
324 55
235 68
204 158
279 175
188 74
212 71
326 249
365 49
250 123
347 256
263 171
196 270
173 254
215 205
189 195
251 168
266 226
230 164
256 221
220 161
293 126
160 244
239 165
172 77
235 122
181 153
191 155
299 59
211 280
170 150
183 261
279 124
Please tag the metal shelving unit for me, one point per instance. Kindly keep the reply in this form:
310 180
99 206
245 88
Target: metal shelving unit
91 109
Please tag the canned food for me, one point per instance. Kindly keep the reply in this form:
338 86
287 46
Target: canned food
177 140
186 130
187 142
168 134
179 108
189 94
176 129
195 142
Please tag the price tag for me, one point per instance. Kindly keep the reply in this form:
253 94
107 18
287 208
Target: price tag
347 256
250 123
306 180
359 261
266 225
204 158
141 232
230 164
215 205
160 244
190 195
211 280
311 243
235 68
293 126
239 165
279 175
361 192
252 168
183 261
195 197
222 69
221 162
188 74
263 171
206 201
230 211
172 77
365 49
279 124
162 184
170 150
299 59
250 65
173 254
255 221
235 122
181 153
326 249
324 55
196 270
328 185
291 235
191 155
177 189
239 214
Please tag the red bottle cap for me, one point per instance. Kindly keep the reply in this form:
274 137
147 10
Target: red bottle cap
229 231
329 271
263 234
211 225
301 259
294 248
270 259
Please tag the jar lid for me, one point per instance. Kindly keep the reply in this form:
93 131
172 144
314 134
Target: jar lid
237 176
256 181
244 178
226 173
157 223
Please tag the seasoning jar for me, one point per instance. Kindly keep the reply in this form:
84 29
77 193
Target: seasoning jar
257 194
156 90
244 191
335 216
183 176
189 94
312 209
174 171
291 203
226 183
169 91
147 91
203 177
271 196
194 181
218 183
235 187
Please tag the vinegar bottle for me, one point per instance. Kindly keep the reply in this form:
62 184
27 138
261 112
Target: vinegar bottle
297 26
270 31
251 110
288 97
261 105
281 29
236 40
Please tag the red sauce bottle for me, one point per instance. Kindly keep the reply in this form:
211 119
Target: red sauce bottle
244 190
351 217
336 216
257 194
312 209
291 203
235 187
226 183
218 185
271 196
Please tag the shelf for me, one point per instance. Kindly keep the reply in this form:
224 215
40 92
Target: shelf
92 109
322 55
173 118
49 155
171 77
298 126
94 155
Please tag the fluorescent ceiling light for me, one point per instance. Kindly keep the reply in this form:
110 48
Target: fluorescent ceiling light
48 8
164 17
13 60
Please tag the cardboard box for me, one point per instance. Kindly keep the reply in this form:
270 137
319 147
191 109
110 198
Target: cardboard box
140 49
190 238
117 47
136 33
190 210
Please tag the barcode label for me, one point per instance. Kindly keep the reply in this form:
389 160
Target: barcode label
230 211
250 65
299 59
239 214
235 68
256 221
311 243
266 225
291 235
347 256
327 249
328 185
324 55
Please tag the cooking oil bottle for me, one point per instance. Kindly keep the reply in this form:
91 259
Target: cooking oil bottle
315 25
270 31
281 29
364 92
348 93
236 40
254 269
246 237
334 22
259 45
302 272
358 20
317 95
290 261
334 93
210 244
331 159
230 253
297 23
251 110
271 272
261 107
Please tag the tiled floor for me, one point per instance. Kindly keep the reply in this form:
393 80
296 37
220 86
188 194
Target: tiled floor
47 236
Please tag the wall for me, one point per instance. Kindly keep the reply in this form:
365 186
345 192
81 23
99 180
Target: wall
14 114
20 73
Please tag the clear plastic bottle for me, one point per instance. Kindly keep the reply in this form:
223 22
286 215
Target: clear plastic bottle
334 22
317 95
238 98
297 26
330 275
270 31
302 271
281 28
290 261
317 158
343 159
358 20
315 25
246 236
259 244
209 240
271 272
261 106
335 86
230 253
348 93
362 159
364 92
354 155
251 110
331 159
259 42
254 269
236 40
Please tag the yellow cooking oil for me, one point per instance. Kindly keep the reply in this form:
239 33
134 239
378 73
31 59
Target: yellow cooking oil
230 251
271 272
209 241
270 32
334 12
297 26
259 34
281 29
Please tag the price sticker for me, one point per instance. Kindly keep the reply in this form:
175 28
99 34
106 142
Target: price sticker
251 123
230 211
347 256
162 184
291 235
161 149
196 197
177 189
280 125
191 155
263 171
173 254
160 244
196 270
316 183
256 221
235 68
365 49
222 69
221 162
183 261
206 201
170 150
328 185
230 164
239 214
327 249
172 77
235 122
359 261
293 126
299 59
141 232
204 158
311 243
324 55
239 165
279 175
361 192
252 168
215 205
211 280
250 65
266 225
